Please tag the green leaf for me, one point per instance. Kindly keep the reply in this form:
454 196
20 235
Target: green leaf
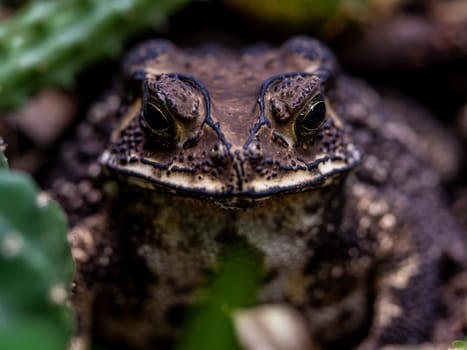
47 42
210 326
460 344
35 268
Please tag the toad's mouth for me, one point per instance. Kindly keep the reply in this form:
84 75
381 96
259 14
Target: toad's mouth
239 188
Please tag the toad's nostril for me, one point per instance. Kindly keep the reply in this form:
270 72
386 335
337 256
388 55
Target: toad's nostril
255 150
218 154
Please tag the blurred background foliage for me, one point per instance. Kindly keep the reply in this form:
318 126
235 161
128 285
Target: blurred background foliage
73 47
48 42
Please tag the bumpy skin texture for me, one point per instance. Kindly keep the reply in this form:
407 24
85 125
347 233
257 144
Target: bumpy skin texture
207 146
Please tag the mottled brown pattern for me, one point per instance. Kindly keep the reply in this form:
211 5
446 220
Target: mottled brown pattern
348 218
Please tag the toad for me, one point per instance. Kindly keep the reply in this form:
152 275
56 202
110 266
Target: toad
337 188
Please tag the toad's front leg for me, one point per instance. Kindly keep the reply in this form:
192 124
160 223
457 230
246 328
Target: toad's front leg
406 302
83 241
82 300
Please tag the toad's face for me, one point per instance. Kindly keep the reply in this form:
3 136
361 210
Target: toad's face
233 127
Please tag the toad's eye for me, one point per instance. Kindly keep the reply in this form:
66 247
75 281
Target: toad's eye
312 117
156 121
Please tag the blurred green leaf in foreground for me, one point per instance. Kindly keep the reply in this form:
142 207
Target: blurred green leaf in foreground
460 344
35 268
233 287
48 42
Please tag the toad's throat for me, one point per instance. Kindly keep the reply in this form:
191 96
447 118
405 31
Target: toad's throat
238 187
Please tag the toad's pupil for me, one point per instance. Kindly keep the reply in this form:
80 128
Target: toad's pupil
315 116
154 118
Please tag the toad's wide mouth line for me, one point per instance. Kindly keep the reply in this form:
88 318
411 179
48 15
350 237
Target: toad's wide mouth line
299 181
